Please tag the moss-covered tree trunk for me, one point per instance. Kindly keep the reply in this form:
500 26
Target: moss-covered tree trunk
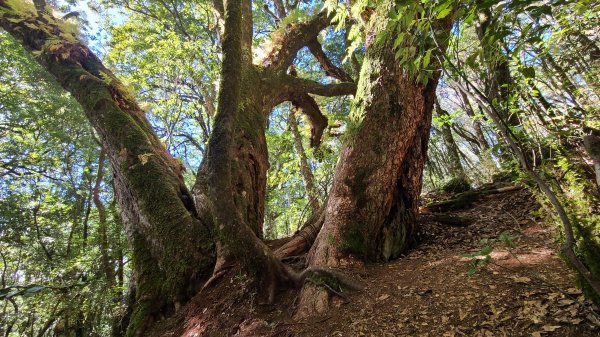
177 240
231 182
373 203
172 248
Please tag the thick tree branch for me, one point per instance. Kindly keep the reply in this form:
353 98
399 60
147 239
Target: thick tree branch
303 239
294 36
293 84
247 31
280 8
310 108
157 208
317 121
330 69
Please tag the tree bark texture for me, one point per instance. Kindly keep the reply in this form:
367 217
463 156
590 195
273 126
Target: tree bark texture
373 204
176 239
375 177
171 247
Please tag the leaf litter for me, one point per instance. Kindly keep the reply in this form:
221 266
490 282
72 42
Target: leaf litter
522 291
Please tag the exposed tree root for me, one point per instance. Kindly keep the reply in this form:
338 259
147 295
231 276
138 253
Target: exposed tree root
446 219
314 300
303 239
316 284
328 276
335 292
216 275
465 199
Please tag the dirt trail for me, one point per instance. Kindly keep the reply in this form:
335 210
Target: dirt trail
527 291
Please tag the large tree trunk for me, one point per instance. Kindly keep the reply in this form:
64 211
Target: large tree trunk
230 189
177 240
172 248
372 207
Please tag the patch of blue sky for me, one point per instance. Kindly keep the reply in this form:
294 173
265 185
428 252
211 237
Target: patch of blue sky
95 33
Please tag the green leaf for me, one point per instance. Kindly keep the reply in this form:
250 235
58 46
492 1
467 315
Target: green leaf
486 250
426 58
444 13
528 72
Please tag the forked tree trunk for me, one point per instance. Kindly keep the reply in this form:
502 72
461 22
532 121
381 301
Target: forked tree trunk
230 189
173 236
372 207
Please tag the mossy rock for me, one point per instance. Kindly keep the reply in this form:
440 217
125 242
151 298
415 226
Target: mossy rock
457 185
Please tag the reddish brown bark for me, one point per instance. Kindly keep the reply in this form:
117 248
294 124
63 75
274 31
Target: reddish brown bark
372 207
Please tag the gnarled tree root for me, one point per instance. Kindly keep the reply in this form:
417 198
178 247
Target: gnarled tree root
446 219
317 284
303 239
465 199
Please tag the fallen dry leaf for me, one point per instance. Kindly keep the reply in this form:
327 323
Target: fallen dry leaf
549 328
383 297
521 279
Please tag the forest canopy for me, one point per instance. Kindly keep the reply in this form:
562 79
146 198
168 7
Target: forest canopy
153 151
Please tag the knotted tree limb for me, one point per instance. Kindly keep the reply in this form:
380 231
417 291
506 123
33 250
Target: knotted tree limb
302 240
330 69
294 37
287 87
309 107
317 121
291 85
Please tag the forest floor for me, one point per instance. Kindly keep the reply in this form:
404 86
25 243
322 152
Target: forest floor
526 290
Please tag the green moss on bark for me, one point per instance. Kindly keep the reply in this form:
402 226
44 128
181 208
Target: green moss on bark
353 240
